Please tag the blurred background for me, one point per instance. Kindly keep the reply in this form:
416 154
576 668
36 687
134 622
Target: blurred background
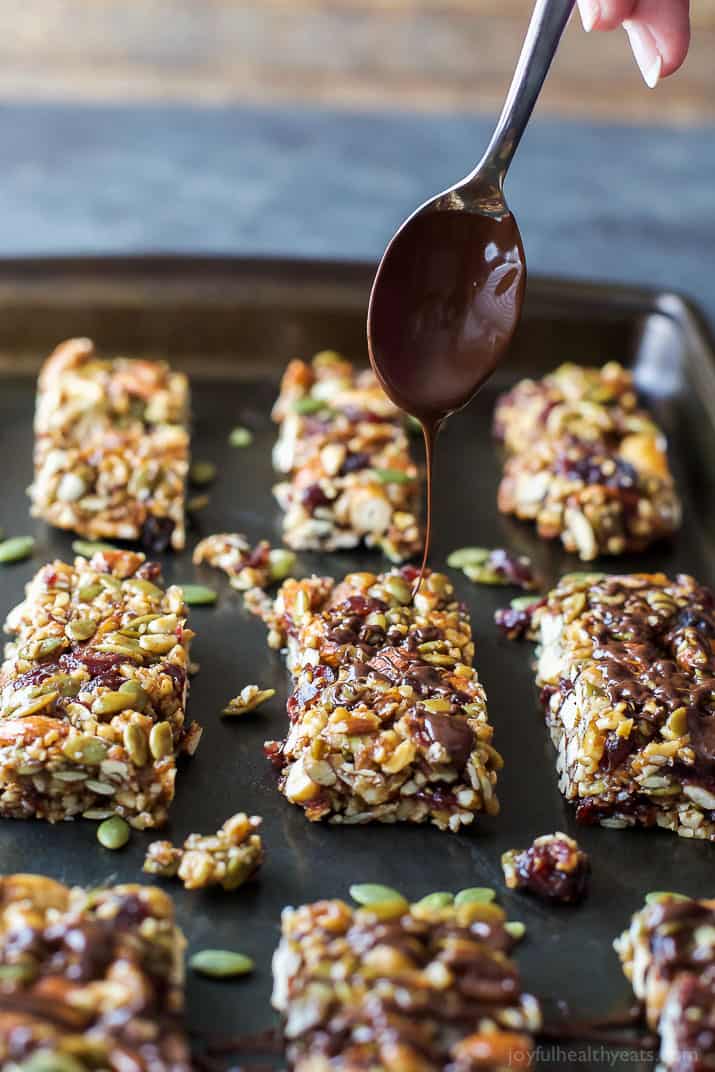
423 55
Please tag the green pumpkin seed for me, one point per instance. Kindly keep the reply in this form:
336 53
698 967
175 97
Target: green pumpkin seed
46 1061
81 629
577 577
108 580
87 548
156 643
399 589
468 556
656 896
436 900
103 788
137 697
139 584
240 437
280 563
110 703
89 592
475 893
524 602
202 473
113 833
17 973
161 740
198 594
135 742
392 476
515 928
220 963
369 893
48 646
306 406
85 749
17 548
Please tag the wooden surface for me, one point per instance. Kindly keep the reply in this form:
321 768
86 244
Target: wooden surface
423 55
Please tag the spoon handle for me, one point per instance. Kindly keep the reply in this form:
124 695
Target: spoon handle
548 21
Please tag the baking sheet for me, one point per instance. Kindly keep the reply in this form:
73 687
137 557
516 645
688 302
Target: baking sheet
233 325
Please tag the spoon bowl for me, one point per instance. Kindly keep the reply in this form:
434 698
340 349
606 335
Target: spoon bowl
446 301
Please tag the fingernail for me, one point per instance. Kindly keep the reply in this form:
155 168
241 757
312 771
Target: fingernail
590 11
645 51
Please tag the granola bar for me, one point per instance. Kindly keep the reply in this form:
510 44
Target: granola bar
627 669
111 447
89 980
553 868
388 718
668 954
585 462
227 858
93 693
412 988
345 455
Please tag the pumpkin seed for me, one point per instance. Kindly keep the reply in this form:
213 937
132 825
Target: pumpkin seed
399 589
89 592
202 473
43 648
85 749
110 703
161 740
17 548
138 697
87 548
656 896
69 775
280 563
198 594
113 833
515 928
17 973
240 437
467 556
156 643
475 893
392 476
97 813
136 744
220 963
523 602
306 406
46 1061
139 584
81 629
371 893
436 900
103 788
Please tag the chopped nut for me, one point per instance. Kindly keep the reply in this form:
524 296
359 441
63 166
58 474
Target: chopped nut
247 700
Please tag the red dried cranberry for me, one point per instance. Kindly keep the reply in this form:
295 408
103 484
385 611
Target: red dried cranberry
555 869
355 462
312 497
149 571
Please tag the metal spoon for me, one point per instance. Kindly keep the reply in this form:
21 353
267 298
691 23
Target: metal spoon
449 289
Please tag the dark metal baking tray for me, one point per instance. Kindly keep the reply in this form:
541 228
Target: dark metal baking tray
233 325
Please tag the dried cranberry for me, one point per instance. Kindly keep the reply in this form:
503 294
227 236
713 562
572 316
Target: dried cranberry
259 555
156 534
176 673
273 751
515 624
354 462
516 569
554 868
617 750
312 497
149 571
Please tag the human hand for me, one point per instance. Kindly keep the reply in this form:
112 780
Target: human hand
658 30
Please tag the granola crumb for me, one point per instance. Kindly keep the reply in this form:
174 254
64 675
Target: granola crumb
553 867
227 858
247 700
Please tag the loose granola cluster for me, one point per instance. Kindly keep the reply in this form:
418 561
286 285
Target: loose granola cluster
111 447
227 858
668 954
388 718
585 462
401 987
93 693
246 567
89 979
553 868
627 669
345 454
